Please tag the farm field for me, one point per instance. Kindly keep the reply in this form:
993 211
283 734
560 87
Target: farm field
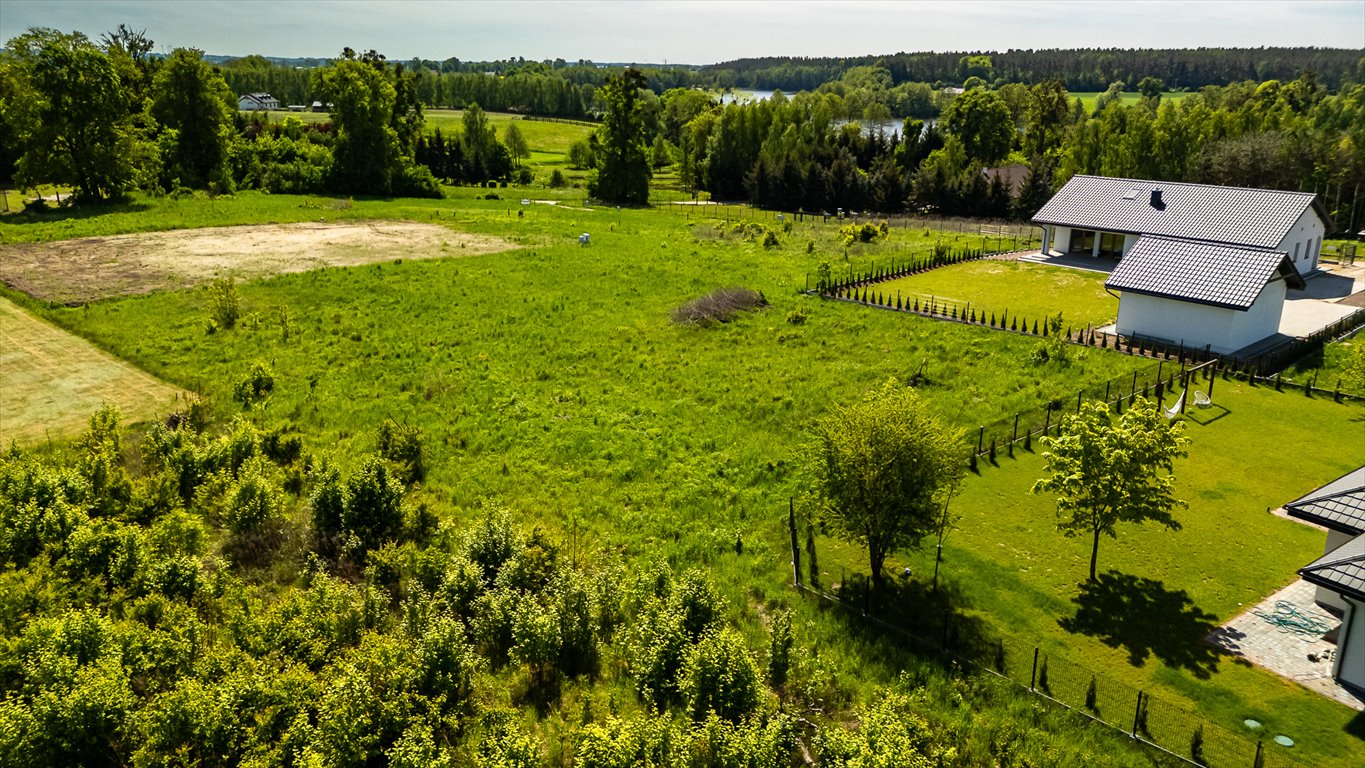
51 381
1020 289
547 136
549 379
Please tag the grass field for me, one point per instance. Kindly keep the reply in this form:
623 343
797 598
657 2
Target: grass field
1129 97
1019 288
544 136
51 381
550 379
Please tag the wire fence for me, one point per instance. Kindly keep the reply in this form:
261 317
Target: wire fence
1141 716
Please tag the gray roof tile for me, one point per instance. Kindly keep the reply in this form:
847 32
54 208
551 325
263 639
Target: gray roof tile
1339 505
1236 215
1342 570
1206 273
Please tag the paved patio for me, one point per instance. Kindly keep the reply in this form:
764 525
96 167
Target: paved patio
1304 657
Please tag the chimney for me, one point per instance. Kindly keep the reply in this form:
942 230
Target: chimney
1157 202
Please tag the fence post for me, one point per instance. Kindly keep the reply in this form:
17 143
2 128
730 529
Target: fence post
1047 424
1014 436
1137 715
1259 760
796 549
1033 678
1213 375
980 438
1079 393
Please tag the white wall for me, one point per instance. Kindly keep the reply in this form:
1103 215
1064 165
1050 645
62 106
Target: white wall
1307 233
1350 664
1325 597
1061 241
1197 325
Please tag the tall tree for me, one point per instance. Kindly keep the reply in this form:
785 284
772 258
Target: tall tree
882 470
623 166
981 119
1104 472
74 123
190 97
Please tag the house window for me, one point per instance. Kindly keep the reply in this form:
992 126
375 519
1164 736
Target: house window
1111 244
1082 241
1296 251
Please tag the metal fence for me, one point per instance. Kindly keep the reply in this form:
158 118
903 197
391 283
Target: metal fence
1145 718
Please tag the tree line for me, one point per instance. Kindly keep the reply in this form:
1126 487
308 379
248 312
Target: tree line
1080 69
809 152
106 118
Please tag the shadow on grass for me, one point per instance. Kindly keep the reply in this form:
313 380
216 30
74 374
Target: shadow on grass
74 212
1145 618
1206 416
1356 726
911 617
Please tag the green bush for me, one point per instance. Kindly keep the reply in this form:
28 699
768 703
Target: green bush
255 387
224 307
720 677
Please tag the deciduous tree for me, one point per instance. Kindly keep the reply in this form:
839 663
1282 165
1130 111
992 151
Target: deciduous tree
882 468
190 97
1104 472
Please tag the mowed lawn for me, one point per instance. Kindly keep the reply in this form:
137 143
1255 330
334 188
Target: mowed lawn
1161 591
51 381
1022 289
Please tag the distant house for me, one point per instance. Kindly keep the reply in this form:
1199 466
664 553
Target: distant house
1202 265
1339 574
320 107
252 102
1014 177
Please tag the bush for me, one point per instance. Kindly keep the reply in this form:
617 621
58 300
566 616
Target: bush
719 306
257 385
720 677
224 307
797 316
402 445
866 232
557 179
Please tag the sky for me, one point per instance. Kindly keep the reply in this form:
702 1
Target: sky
693 31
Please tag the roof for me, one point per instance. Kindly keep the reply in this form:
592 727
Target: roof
1236 215
1342 570
1226 276
1339 505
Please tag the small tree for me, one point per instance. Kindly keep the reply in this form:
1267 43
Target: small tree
1105 473
882 469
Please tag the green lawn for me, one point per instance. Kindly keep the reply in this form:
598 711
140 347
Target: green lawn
1019 288
1254 450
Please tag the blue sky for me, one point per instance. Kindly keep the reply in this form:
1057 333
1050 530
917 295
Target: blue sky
694 31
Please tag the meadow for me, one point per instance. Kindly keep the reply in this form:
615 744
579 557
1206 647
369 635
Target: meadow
1129 98
550 380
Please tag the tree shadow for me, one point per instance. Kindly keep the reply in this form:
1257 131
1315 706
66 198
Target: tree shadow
75 212
910 616
1146 619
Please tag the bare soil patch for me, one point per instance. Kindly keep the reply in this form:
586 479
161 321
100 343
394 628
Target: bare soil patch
51 381
79 271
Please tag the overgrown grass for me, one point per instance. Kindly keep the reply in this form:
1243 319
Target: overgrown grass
1129 97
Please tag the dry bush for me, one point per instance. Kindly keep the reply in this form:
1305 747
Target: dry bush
719 306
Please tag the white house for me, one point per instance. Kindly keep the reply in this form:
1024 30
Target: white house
1202 295
1339 574
1105 216
252 102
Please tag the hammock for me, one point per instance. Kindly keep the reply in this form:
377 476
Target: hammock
1174 410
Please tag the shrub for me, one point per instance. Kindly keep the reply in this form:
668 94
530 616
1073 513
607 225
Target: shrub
719 306
797 316
402 445
373 504
257 385
253 505
779 649
720 676
557 179
224 307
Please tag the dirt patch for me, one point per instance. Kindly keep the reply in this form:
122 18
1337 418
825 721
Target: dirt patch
51 381
79 271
